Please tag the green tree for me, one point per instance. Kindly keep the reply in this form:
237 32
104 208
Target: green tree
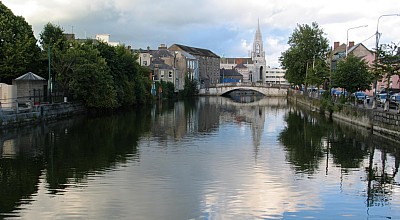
55 47
307 47
352 74
54 36
131 81
190 88
388 62
18 50
91 80
317 74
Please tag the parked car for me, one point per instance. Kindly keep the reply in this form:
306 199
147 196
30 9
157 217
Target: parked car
385 94
381 99
395 101
339 93
360 97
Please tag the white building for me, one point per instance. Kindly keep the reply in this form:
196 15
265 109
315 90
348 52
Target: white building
258 57
106 39
253 68
275 76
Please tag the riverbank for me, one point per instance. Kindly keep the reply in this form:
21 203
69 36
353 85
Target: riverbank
379 122
30 115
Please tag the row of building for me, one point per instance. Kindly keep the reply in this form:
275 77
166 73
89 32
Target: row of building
176 62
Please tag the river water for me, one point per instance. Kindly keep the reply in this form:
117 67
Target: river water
207 158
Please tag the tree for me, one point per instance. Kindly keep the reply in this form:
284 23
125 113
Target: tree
18 50
190 88
307 47
52 35
318 74
131 81
352 74
91 80
388 62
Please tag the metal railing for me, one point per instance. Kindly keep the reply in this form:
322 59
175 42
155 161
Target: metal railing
22 104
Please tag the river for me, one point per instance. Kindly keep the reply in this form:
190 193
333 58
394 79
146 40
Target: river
206 158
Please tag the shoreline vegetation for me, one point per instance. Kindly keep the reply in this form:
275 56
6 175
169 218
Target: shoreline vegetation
100 76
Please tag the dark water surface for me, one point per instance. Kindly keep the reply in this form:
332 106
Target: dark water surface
210 158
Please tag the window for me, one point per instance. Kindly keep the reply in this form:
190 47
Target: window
170 74
145 63
162 74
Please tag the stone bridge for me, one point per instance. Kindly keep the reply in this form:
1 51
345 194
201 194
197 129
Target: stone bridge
263 88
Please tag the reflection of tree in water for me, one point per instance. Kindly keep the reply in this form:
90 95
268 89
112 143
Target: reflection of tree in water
347 147
19 178
350 148
302 139
381 176
66 152
93 145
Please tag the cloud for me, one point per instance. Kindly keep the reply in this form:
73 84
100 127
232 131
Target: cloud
221 26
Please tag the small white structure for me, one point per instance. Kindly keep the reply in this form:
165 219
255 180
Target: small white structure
106 39
8 96
30 85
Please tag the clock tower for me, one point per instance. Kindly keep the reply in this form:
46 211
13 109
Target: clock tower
258 58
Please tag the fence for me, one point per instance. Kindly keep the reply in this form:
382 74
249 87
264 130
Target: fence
24 103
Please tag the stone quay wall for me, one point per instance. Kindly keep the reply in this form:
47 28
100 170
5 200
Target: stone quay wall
35 114
381 123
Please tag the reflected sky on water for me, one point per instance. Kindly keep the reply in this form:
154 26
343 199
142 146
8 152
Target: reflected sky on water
206 158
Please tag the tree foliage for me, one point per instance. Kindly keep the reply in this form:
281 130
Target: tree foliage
131 80
91 79
352 74
18 50
388 62
101 75
307 47
54 36
190 88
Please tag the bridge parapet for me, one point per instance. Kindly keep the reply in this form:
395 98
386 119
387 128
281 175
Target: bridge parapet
265 89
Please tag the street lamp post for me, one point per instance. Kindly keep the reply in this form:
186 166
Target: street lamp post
49 81
377 37
176 73
347 36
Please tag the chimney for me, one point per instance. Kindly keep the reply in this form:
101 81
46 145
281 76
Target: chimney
335 45
162 47
351 44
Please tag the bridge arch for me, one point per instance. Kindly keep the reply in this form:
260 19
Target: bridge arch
264 89
228 90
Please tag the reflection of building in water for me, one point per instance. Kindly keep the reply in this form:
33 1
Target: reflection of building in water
183 119
171 123
255 115
208 112
17 144
9 149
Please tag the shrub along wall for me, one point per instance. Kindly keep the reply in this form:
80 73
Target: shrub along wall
385 124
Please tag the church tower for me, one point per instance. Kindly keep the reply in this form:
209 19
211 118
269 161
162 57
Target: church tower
258 57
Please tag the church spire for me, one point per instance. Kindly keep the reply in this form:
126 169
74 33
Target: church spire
258 36
258 57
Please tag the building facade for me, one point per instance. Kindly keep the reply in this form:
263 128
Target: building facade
208 63
276 76
169 65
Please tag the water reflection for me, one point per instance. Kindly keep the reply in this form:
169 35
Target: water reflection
205 158
307 138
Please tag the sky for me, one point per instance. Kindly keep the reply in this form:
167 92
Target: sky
226 27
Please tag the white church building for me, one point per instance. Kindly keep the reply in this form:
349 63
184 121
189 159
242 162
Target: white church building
254 68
